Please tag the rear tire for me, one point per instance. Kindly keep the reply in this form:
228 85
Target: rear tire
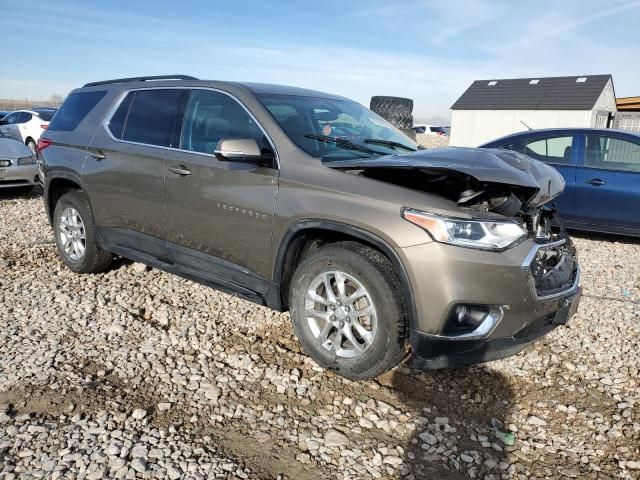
75 235
335 334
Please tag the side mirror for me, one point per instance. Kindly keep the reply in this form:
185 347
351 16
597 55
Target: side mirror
241 150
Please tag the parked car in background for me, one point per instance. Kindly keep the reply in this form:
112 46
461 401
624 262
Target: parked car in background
18 167
601 168
26 126
430 130
309 202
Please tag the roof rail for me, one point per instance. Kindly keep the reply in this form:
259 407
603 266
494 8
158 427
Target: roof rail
141 79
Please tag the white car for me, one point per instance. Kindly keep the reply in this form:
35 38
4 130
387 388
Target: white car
18 166
26 126
430 130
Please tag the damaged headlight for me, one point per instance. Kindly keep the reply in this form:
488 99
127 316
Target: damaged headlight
486 235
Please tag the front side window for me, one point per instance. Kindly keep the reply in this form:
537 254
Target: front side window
211 116
147 116
612 153
10 119
334 128
550 150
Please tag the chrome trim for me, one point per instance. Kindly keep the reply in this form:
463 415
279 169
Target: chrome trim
532 254
487 326
124 93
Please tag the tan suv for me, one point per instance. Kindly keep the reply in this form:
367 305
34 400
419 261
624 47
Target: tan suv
309 202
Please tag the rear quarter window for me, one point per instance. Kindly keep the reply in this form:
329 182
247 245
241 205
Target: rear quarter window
74 109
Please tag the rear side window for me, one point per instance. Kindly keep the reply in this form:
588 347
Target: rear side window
46 116
74 109
551 150
24 117
147 116
612 153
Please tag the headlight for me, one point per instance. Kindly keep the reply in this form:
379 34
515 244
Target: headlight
5 163
27 161
486 235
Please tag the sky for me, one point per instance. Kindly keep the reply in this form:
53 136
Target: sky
427 50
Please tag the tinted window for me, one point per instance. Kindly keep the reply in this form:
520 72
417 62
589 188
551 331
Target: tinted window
116 124
152 116
550 150
612 153
420 129
211 116
46 115
24 117
74 109
10 119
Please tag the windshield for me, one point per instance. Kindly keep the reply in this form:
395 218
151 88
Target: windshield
335 128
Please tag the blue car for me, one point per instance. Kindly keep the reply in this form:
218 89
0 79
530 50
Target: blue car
601 168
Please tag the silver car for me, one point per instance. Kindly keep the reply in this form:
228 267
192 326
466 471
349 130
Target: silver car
18 168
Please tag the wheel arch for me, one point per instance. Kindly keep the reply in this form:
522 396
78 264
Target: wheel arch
56 187
295 243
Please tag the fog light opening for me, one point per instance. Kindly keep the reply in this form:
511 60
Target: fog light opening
472 321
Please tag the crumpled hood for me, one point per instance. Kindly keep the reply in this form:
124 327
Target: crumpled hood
483 164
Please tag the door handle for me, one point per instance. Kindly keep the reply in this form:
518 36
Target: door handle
98 155
596 182
180 170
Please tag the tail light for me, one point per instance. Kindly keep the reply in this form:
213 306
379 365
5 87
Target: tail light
42 144
44 126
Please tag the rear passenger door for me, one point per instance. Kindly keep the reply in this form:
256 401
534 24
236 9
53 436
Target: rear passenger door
124 170
561 152
608 183
219 214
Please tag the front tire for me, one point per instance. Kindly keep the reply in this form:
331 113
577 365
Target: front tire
348 311
75 235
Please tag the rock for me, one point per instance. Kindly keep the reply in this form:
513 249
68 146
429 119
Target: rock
364 423
428 438
164 406
333 438
533 420
139 465
139 414
139 268
262 437
466 458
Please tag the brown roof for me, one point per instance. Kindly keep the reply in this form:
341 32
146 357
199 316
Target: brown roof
628 103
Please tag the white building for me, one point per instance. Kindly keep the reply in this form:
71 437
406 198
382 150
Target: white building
490 109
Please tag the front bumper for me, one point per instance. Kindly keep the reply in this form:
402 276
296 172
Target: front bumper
443 277
18 176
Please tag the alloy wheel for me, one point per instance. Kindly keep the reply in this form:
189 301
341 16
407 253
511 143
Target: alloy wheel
341 314
72 234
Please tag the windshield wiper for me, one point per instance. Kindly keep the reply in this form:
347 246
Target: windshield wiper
389 143
343 142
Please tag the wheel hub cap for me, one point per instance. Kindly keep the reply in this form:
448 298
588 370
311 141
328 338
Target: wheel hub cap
341 314
72 234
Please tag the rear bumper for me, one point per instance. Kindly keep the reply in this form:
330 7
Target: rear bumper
19 176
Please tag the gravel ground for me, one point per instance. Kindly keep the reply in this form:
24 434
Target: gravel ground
135 373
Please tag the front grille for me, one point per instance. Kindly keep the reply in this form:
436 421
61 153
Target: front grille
554 268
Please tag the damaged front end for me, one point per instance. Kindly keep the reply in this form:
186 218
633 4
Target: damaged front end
489 185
